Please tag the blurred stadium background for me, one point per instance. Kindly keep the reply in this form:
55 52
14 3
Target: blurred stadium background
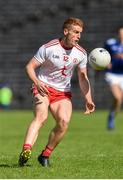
25 25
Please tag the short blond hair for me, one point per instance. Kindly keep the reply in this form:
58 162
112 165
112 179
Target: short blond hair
73 21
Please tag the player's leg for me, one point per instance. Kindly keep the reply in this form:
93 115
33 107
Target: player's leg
116 104
61 111
40 115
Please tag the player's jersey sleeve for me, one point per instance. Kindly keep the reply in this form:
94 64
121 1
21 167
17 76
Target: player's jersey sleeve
83 62
41 54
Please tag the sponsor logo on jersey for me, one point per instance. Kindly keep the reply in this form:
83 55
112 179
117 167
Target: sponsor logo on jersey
55 56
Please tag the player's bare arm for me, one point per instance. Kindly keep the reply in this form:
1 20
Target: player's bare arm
30 69
119 55
86 90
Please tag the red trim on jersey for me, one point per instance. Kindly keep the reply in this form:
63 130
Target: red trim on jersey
54 95
52 43
80 48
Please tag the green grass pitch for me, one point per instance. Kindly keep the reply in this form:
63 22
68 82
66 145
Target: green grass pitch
88 150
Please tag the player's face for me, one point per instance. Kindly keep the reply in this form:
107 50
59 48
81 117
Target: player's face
121 34
72 35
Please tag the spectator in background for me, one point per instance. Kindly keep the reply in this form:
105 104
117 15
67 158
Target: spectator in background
52 87
5 96
114 75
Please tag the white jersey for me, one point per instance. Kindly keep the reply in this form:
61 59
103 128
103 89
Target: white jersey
58 64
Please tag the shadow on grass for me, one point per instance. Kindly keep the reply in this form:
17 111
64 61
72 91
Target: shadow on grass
12 166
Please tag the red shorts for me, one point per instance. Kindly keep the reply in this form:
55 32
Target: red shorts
54 95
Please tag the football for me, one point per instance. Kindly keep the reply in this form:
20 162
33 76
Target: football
99 58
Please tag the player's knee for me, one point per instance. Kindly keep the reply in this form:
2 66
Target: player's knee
41 117
63 125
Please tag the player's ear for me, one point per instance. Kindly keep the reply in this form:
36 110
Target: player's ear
65 31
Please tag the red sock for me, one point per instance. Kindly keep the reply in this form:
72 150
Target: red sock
27 146
47 151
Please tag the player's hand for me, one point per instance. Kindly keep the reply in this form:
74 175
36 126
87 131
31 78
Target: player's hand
42 89
90 107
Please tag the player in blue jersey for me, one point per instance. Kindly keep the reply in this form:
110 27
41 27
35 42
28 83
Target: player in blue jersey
114 75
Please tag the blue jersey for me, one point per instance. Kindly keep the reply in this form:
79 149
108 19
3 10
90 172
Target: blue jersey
114 47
